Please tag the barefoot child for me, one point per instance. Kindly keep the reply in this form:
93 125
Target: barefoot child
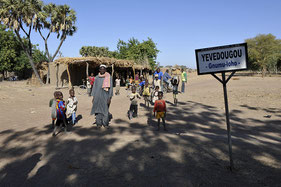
160 108
146 93
52 105
61 118
175 84
133 112
71 106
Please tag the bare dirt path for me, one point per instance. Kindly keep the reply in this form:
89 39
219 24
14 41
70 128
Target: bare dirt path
193 152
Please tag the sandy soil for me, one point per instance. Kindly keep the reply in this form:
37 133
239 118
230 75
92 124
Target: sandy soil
194 151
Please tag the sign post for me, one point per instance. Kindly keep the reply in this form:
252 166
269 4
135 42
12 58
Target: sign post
229 58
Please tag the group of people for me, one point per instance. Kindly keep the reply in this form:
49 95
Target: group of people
63 112
102 92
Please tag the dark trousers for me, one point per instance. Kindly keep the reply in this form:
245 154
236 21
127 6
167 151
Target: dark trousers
61 121
133 111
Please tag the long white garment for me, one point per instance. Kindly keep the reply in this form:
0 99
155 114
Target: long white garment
157 83
155 96
71 105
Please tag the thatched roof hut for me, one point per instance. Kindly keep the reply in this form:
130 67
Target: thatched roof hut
74 69
95 61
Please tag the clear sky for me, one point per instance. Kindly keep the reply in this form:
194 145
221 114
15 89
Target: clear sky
177 26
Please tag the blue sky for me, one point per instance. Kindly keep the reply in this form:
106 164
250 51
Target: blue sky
178 27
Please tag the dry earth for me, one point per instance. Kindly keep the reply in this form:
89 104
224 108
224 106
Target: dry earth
193 152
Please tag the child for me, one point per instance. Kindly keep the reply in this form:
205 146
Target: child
71 106
157 82
61 118
52 104
175 84
88 87
133 112
131 80
146 93
117 85
155 94
160 108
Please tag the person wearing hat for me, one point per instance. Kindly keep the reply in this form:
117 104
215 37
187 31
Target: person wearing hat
102 93
160 77
157 82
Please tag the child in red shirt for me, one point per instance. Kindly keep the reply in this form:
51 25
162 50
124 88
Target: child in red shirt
160 108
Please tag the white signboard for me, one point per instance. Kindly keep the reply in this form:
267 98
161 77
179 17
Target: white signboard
222 59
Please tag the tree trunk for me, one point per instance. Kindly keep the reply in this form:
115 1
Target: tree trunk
34 69
263 71
30 58
48 74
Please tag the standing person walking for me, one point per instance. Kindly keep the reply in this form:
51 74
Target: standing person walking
102 93
166 78
183 79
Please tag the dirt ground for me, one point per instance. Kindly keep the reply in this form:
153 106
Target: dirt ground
194 151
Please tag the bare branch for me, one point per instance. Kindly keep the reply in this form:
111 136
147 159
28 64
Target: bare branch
23 29
39 30
48 35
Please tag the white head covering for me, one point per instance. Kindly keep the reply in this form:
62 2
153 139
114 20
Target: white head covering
102 65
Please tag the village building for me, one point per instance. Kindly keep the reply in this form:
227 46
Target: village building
70 72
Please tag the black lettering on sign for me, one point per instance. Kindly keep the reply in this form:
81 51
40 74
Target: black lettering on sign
222 55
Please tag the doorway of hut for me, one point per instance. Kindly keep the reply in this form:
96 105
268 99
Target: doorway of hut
78 73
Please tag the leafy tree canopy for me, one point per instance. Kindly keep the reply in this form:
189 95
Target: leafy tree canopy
12 56
264 52
140 52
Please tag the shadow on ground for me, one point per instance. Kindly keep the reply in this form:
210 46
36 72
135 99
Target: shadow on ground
193 152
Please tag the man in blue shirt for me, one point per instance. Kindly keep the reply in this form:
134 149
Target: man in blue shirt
160 74
166 77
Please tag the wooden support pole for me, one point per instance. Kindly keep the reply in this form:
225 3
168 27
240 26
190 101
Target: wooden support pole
57 75
134 73
69 79
87 70
112 73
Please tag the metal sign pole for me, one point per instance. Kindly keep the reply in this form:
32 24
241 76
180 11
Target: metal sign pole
224 82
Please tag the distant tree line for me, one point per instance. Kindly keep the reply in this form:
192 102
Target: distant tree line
140 52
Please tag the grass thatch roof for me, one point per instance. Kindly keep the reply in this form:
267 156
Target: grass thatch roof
96 61
139 66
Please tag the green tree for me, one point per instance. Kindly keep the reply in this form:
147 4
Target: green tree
25 15
21 16
58 19
97 52
9 50
22 66
264 52
12 56
140 52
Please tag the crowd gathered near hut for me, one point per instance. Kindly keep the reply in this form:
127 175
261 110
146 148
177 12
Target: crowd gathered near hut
149 86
